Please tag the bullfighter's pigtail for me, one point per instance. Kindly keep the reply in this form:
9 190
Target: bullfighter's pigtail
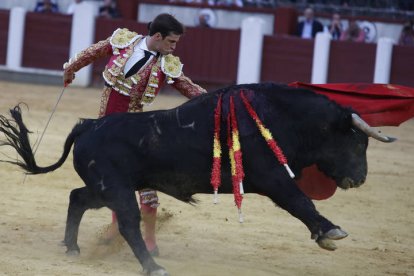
235 157
267 135
216 169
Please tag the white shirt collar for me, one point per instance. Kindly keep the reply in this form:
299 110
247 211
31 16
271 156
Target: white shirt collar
143 46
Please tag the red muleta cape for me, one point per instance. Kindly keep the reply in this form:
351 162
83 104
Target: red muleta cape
377 104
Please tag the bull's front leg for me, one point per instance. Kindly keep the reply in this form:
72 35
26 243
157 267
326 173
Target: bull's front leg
286 194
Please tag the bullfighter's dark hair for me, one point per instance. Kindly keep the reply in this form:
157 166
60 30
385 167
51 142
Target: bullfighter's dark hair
165 24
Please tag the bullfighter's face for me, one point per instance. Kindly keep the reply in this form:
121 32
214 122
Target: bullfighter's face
167 44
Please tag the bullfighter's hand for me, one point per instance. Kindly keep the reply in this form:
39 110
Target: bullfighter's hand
68 77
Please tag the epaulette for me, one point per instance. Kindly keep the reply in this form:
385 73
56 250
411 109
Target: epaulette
171 66
122 38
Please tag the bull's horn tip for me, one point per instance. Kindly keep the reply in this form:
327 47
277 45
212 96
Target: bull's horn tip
391 139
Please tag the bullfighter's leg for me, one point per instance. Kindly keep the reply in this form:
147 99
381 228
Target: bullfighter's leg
149 204
289 197
148 200
80 200
125 205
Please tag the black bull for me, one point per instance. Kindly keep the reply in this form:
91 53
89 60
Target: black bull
171 151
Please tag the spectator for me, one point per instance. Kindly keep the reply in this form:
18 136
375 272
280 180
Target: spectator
250 3
335 28
230 3
46 6
72 6
406 5
353 33
203 20
108 9
407 34
309 27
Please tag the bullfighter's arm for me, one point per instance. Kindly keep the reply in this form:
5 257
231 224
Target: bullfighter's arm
98 50
187 87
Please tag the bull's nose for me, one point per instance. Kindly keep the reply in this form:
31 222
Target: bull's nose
347 183
359 183
351 183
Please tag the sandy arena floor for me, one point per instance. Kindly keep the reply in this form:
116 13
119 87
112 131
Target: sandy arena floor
206 239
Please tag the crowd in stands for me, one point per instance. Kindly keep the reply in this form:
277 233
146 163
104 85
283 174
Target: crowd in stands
107 8
307 28
407 34
389 9
46 6
349 7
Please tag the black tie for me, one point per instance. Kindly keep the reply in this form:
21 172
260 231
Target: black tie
139 64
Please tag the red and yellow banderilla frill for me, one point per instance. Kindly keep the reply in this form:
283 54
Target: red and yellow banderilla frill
216 170
271 142
235 153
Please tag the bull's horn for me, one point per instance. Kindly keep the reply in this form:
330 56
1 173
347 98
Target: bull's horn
368 130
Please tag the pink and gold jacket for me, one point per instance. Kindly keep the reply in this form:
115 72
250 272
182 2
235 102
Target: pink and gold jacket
142 87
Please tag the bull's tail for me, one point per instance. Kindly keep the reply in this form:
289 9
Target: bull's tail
17 137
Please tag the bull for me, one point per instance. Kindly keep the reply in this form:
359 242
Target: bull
171 151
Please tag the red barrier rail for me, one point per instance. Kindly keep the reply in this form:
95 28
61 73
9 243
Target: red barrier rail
4 32
351 62
286 59
402 65
211 55
46 40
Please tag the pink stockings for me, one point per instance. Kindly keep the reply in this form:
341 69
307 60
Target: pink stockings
149 202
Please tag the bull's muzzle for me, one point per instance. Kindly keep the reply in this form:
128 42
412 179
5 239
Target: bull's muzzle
348 182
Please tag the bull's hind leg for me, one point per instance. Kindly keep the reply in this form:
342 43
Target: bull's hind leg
80 200
125 205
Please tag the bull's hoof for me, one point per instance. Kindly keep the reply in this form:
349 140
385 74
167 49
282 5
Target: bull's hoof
335 234
326 240
326 243
73 252
157 272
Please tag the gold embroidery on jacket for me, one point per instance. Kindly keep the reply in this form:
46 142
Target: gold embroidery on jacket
87 56
149 94
114 75
104 101
171 66
188 87
122 38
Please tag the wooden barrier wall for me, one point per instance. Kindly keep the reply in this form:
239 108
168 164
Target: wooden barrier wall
286 59
351 62
4 32
46 40
402 66
211 55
